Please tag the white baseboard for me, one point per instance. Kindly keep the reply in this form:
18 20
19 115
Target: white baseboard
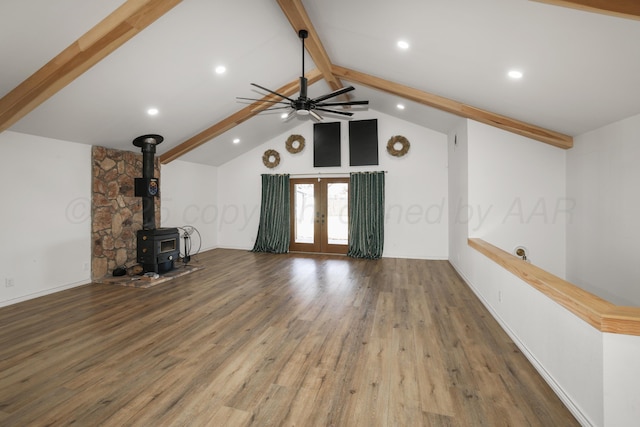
42 293
240 248
413 256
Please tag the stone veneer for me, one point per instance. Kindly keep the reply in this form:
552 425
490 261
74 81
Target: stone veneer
116 214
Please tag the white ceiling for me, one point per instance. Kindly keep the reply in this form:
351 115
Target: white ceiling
580 69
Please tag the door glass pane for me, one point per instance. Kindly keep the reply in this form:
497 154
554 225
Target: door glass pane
338 213
305 211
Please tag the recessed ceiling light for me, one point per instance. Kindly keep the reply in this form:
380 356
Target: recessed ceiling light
515 74
236 140
284 115
403 45
152 111
400 106
220 69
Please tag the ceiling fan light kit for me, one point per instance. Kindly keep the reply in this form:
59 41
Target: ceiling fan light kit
303 105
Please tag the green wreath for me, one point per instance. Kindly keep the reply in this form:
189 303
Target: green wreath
268 155
292 147
404 146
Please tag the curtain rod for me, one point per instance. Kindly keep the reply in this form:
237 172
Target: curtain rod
336 174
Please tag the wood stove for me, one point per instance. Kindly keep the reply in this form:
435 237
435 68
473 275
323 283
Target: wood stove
157 248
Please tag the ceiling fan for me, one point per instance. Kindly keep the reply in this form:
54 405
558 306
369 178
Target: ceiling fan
303 105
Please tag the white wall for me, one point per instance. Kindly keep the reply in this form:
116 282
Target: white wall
45 217
517 195
565 350
416 188
189 197
45 185
602 179
594 373
621 373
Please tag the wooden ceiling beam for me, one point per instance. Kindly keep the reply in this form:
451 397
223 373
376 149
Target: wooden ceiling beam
454 107
299 19
236 118
112 32
621 8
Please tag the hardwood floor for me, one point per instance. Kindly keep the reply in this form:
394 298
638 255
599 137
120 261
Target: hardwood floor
270 340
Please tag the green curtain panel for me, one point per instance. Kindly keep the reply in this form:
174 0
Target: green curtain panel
366 216
274 230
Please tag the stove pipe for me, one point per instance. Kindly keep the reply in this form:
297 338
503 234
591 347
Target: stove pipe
147 187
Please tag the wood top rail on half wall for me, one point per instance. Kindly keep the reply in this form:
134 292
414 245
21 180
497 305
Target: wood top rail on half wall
599 313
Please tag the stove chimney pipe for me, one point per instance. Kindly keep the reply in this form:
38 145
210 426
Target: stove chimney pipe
147 186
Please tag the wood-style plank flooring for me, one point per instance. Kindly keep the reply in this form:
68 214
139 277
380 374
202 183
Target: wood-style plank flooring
270 340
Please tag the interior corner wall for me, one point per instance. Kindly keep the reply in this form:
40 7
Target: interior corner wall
46 216
602 183
458 151
517 195
565 350
416 206
189 197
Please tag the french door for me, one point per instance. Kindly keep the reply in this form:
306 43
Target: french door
320 215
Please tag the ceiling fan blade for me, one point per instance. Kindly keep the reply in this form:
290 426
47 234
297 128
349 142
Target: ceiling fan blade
289 116
270 91
303 105
275 108
315 115
338 103
262 100
344 113
334 93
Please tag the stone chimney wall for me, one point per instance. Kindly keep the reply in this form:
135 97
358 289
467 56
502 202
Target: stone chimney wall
116 214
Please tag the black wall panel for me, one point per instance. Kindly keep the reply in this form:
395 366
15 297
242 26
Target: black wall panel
363 142
326 144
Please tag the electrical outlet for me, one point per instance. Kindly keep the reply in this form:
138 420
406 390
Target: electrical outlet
9 282
499 296
85 266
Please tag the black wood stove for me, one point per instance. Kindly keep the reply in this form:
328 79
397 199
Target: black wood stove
157 248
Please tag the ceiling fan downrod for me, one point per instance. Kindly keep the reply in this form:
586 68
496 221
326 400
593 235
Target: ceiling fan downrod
303 34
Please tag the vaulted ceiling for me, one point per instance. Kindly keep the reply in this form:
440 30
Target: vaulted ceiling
579 68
